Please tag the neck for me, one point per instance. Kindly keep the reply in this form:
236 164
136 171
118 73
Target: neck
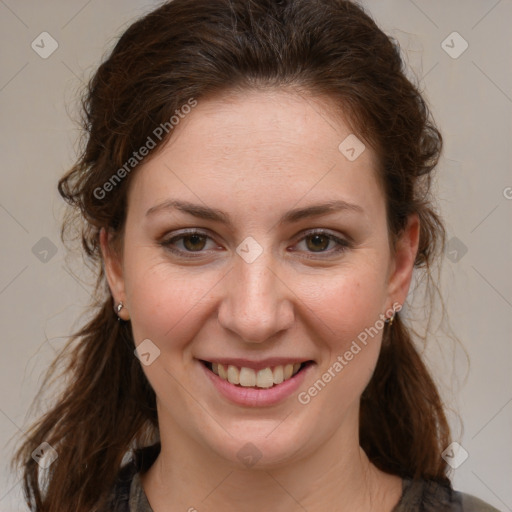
338 472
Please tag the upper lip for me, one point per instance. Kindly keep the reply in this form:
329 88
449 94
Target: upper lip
255 364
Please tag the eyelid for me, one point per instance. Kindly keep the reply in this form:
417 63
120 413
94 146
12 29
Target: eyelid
324 232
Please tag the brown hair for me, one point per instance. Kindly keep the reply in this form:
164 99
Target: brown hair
190 49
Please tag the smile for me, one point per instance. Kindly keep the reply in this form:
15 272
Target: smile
263 378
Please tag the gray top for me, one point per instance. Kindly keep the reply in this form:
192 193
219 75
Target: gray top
417 495
138 499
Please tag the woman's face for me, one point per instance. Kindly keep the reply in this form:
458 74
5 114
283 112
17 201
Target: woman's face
270 276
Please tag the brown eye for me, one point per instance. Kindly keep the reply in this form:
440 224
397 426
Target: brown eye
317 243
194 242
191 244
322 244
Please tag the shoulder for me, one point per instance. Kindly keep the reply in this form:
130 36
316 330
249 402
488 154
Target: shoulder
433 496
127 490
471 503
118 499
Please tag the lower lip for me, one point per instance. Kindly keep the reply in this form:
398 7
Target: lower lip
253 397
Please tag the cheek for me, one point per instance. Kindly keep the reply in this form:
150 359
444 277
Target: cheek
350 309
165 301
347 303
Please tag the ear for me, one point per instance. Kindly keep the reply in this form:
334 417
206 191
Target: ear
402 261
113 272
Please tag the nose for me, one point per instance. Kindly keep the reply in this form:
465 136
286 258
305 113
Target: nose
257 303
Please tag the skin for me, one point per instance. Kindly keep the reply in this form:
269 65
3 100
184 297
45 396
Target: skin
256 156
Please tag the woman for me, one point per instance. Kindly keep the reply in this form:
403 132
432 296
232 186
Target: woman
255 194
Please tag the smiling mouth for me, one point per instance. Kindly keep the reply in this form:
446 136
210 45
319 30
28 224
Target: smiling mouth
259 379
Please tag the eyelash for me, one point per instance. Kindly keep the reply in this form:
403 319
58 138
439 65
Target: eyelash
342 244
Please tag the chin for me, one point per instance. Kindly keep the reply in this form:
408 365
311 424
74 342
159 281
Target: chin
258 444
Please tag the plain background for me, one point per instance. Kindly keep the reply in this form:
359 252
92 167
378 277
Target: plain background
471 99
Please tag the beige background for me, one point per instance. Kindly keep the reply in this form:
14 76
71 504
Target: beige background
471 99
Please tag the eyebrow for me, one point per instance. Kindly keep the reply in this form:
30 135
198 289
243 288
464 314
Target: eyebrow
205 212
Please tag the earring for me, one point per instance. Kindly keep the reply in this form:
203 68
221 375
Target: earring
117 309
390 319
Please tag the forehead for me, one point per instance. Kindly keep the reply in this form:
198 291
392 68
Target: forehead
271 143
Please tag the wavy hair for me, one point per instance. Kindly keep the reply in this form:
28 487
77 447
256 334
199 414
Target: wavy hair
191 49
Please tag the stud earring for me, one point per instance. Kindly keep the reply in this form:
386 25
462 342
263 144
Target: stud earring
118 309
390 319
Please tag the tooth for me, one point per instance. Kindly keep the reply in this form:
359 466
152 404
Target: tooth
278 374
233 374
265 378
247 377
222 372
288 370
